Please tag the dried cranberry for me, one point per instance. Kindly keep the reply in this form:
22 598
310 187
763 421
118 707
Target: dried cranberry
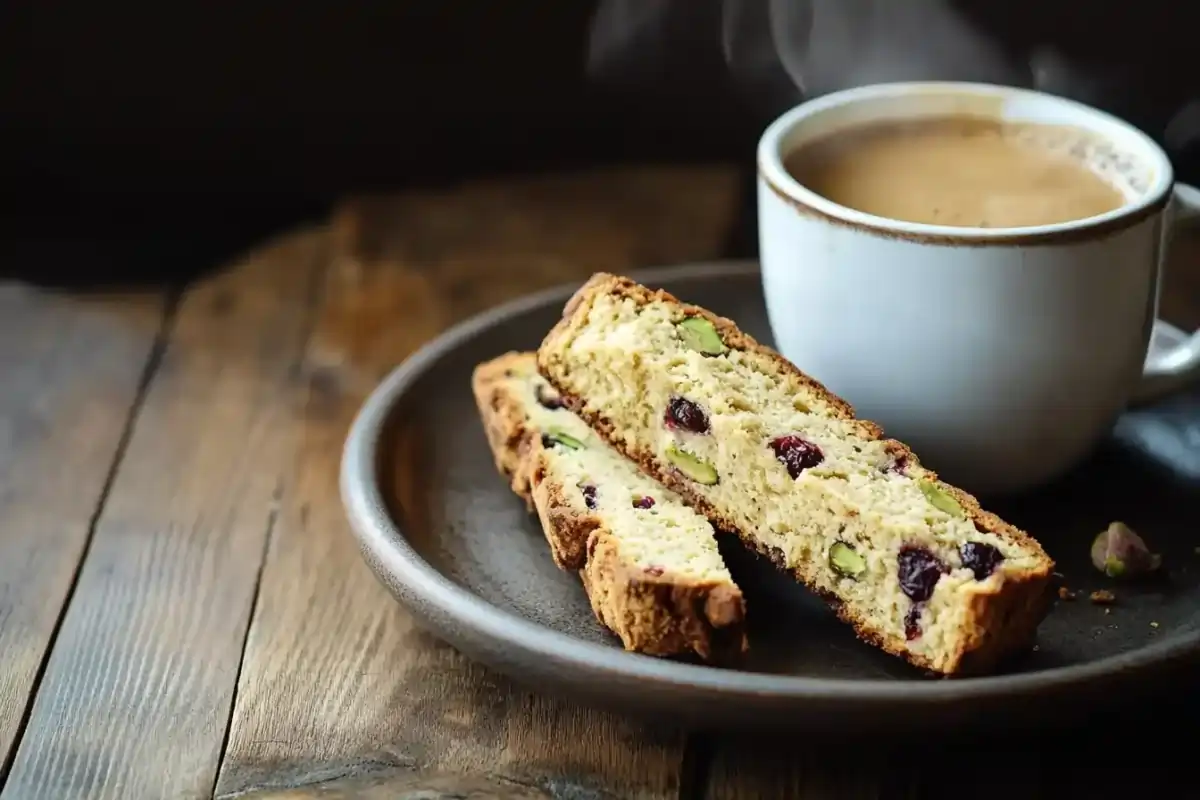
796 454
683 413
980 558
589 495
547 398
654 571
919 572
899 465
912 622
643 502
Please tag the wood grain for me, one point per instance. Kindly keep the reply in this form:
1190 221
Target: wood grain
70 368
136 696
411 785
339 689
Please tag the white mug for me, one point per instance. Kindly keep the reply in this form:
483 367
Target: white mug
1001 356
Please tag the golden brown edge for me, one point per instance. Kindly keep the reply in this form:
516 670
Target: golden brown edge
509 438
661 615
1006 617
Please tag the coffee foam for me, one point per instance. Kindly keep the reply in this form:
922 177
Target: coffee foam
964 170
1124 172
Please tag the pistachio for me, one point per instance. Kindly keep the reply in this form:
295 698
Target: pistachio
692 466
845 561
566 440
701 335
940 499
1118 552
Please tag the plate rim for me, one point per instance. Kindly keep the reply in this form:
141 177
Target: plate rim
416 582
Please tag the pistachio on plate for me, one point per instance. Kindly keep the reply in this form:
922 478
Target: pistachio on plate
1119 552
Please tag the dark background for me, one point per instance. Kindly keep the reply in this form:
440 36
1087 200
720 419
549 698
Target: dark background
213 124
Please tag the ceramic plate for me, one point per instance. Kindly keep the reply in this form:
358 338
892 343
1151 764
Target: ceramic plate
444 533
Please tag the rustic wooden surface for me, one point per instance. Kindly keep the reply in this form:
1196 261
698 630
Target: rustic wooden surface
183 613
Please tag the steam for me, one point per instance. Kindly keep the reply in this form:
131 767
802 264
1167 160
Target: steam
789 50
748 39
829 45
624 31
821 45
1183 130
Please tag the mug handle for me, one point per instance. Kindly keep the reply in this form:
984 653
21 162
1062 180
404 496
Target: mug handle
1173 359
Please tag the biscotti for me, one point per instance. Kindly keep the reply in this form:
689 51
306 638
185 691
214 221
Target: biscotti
763 450
648 562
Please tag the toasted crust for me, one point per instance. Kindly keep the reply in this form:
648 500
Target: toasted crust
504 420
663 615
1002 620
659 615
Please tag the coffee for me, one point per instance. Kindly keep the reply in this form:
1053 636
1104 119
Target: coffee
959 171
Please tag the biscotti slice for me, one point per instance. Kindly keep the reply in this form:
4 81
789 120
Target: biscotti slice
648 562
915 565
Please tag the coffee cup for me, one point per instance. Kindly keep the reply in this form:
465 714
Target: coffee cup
1001 354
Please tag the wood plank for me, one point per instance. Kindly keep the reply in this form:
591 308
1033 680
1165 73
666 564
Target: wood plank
137 693
415 785
339 688
71 370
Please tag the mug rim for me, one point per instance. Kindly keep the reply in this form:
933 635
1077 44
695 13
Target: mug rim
772 172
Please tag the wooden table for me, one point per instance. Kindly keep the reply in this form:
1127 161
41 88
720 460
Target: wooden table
183 611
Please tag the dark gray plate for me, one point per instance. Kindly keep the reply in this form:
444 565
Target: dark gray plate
442 531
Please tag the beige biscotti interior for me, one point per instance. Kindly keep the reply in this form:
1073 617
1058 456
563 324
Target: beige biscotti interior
656 532
857 506
649 563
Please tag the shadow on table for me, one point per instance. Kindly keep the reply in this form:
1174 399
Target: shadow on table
1114 758
115 242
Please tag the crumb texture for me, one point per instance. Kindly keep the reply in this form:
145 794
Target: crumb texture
766 451
649 562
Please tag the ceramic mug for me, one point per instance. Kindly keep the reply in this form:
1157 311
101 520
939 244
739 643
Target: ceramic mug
1002 356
